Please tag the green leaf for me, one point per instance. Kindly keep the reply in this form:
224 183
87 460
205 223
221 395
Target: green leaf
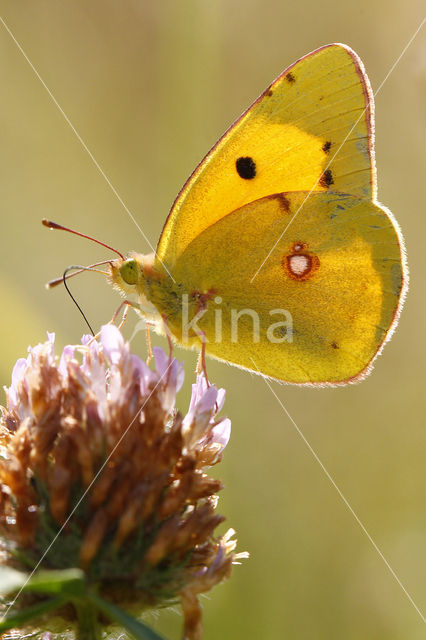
19 618
138 630
69 582
11 580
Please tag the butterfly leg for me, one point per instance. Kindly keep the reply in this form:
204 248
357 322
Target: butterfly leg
126 304
148 342
124 316
168 335
169 340
201 365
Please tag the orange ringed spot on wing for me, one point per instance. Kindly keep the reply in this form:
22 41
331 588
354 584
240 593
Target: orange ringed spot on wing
300 264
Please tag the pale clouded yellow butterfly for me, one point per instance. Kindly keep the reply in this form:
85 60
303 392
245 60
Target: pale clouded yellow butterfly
276 252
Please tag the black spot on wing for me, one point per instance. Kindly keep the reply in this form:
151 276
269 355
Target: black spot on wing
246 168
290 78
326 146
327 178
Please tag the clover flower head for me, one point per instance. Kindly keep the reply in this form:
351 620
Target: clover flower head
98 467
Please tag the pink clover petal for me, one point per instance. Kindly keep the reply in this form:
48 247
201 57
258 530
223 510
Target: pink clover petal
46 348
67 354
50 343
116 392
144 374
161 361
208 401
170 370
221 553
196 430
171 375
180 375
112 343
177 375
94 370
18 374
201 572
168 398
201 409
220 400
199 388
91 358
221 433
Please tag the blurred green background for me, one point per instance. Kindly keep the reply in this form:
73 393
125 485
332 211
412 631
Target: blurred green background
150 86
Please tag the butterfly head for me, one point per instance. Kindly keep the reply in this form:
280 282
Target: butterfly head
130 274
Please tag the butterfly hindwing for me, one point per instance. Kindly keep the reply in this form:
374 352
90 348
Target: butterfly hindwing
334 279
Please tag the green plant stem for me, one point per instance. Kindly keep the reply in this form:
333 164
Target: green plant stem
88 627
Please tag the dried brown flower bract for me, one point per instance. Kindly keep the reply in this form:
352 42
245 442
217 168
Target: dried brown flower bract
93 449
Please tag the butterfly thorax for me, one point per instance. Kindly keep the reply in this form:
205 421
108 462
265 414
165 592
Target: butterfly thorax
156 296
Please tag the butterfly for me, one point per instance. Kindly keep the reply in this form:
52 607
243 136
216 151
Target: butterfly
276 255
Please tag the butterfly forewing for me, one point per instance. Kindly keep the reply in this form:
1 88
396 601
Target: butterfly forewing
310 130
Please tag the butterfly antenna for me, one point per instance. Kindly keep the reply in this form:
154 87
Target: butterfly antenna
64 279
90 267
55 225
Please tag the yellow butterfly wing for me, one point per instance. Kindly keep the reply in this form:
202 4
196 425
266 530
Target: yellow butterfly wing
311 129
333 283
290 188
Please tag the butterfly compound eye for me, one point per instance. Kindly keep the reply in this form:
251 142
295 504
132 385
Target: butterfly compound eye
129 271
